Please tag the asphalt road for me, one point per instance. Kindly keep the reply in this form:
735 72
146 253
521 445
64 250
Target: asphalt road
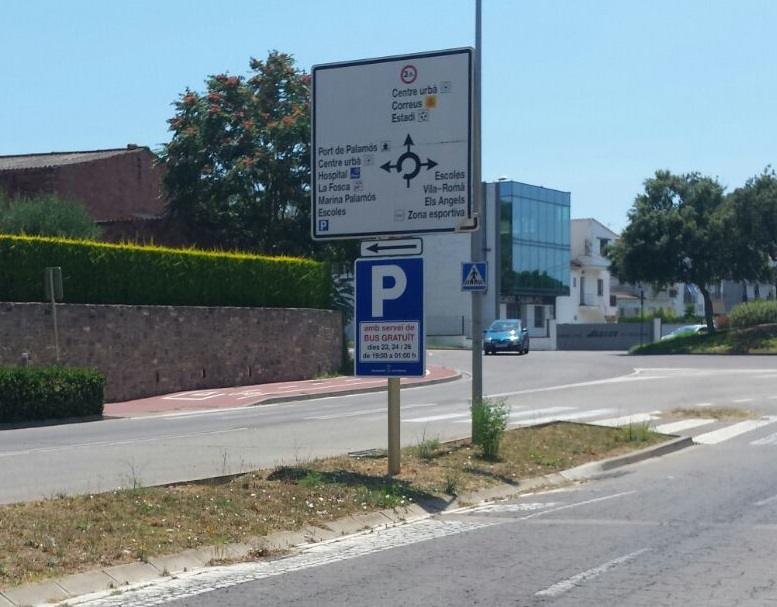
99 456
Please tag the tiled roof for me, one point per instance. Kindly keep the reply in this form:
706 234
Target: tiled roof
55 159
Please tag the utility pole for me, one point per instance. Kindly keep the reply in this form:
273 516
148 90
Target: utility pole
477 235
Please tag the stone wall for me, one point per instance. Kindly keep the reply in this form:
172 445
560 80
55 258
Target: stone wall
149 350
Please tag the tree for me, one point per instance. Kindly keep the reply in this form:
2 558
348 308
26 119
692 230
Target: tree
676 233
237 167
46 215
751 213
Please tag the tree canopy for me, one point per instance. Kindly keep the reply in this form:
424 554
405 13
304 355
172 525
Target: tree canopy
238 164
751 215
685 228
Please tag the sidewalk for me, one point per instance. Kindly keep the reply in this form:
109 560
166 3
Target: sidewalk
261 394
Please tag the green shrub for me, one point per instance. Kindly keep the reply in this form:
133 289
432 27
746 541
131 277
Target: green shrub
39 393
489 423
749 314
46 215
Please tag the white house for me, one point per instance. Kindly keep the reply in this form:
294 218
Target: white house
589 300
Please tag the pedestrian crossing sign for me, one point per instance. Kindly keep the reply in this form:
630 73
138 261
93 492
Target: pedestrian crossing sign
473 276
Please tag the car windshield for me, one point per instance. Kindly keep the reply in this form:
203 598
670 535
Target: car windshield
504 325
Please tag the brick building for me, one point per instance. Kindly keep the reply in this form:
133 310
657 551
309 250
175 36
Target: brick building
120 188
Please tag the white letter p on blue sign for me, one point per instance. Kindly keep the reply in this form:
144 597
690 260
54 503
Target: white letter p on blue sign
388 283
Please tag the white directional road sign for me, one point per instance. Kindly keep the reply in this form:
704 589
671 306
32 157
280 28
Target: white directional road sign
389 317
392 146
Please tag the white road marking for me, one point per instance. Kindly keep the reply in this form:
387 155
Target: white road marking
680 426
744 400
132 441
705 404
538 414
576 580
767 440
535 412
346 414
567 417
768 500
625 420
436 418
718 436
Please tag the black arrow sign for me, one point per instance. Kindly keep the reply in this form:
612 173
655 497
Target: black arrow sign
413 158
377 247
411 246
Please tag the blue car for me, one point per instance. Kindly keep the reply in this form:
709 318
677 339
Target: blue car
506 335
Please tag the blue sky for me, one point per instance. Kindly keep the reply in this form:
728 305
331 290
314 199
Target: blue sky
585 96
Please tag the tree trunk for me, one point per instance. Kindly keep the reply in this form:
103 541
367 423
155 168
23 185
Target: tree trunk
708 317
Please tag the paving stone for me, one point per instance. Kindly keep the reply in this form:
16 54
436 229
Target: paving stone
318 534
86 583
132 572
284 540
178 563
4 602
346 526
36 594
373 519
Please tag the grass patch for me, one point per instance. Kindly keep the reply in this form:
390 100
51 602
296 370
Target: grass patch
714 412
760 339
70 534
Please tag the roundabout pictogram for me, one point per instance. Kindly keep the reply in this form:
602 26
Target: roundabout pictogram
411 159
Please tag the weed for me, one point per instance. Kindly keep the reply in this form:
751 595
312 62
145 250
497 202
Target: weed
427 448
313 478
637 433
489 422
452 481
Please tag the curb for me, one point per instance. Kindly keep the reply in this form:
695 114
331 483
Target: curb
124 577
348 391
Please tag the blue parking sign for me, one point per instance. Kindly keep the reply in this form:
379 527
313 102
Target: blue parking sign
389 317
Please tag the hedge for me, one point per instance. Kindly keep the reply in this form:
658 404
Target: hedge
100 273
41 393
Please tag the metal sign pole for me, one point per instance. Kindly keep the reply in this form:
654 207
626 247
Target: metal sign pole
53 293
477 236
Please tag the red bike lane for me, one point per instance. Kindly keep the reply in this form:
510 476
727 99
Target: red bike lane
246 396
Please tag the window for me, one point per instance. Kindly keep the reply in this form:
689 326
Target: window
600 287
539 317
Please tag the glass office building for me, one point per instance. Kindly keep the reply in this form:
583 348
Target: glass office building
532 250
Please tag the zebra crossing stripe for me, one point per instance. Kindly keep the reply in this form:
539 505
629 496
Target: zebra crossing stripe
625 420
718 436
686 424
567 417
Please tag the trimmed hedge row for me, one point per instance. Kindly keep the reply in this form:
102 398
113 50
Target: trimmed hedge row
40 393
100 273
